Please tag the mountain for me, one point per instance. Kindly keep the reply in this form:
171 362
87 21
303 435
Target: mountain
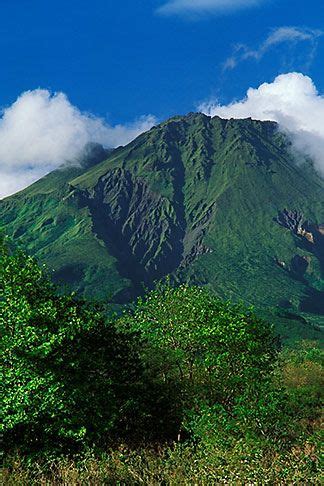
216 202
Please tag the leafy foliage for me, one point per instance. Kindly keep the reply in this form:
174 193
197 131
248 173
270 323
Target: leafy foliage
182 366
213 358
66 373
205 338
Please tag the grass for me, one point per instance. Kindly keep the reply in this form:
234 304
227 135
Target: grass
174 465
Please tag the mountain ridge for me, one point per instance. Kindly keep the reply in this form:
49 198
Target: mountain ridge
196 197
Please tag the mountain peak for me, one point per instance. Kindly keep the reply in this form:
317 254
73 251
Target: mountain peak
197 198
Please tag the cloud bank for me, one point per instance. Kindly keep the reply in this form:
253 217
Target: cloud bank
205 6
293 101
42 130
282 35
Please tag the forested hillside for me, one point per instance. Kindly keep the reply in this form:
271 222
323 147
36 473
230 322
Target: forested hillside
213 202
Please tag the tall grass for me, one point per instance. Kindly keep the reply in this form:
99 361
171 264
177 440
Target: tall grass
178 464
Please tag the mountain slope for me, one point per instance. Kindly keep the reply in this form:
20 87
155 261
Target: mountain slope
212 201
49 223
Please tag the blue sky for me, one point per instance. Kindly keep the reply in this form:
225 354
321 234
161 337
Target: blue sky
122 59
106 70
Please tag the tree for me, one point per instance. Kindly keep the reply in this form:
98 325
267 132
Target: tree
207 340
67 374
210 356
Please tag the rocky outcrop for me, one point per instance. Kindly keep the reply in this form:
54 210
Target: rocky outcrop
295 222
311 239
139 227
281 263
146 233
290 219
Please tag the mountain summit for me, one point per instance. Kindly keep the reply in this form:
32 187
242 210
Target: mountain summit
216 202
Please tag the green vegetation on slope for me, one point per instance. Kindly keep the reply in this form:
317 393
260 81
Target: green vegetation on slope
49 223
197 198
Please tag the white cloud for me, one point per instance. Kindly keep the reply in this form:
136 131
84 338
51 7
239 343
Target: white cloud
41 130
293 101
282 35
205 6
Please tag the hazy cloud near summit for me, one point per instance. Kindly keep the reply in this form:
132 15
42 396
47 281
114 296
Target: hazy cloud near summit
293 101
181 7
289 35
41 130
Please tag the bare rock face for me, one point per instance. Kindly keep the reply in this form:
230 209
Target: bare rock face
294 221
306 234
281 263
291 220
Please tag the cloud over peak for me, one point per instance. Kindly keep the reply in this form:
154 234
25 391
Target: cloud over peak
293 101
181 7
41 130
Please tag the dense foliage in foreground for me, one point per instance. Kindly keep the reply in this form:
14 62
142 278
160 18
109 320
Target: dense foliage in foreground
196 388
